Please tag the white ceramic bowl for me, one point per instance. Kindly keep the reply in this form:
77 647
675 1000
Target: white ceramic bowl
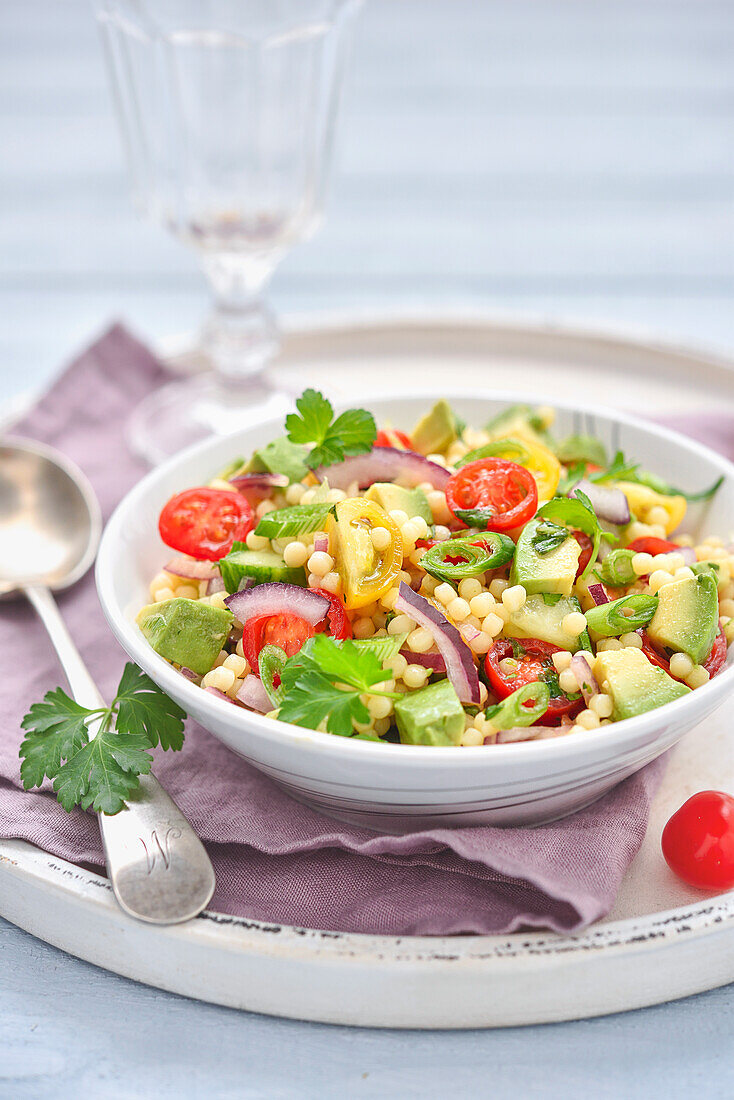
395 787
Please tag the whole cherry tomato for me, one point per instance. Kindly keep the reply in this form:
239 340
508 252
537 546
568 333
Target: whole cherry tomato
533 663
698 841
205 522
504 493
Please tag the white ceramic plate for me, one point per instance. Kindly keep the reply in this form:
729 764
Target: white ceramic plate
662 940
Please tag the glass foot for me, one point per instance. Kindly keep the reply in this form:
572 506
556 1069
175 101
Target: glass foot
183 413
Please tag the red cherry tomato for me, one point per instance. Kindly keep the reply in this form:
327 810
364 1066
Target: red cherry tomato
534 663
288 632
653 654
391 437
205 522
717 657
698 841
587 546
425 544
339 625
649 545
508 491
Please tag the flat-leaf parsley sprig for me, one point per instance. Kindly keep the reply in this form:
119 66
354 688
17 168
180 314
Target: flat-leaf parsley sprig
100 773
326 680
352 433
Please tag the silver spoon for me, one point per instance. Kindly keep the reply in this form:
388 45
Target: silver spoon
50 525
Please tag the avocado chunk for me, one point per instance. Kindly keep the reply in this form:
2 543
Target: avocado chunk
687 616
634 683
431 716
187 632
541 616
413 502
436 431
259 566
280 457
551 572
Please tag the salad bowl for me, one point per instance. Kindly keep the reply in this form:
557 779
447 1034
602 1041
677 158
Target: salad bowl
389 787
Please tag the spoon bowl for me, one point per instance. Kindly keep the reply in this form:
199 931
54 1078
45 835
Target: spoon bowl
50 521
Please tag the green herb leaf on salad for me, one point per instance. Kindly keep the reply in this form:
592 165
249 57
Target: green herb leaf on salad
576 512
353 432
548 537
102 772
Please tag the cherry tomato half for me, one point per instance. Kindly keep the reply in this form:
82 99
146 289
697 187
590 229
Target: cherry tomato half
339 625
534 663
698 841
205 522
653 654
587 546
717 657
508 491
650 545
391 437
288 632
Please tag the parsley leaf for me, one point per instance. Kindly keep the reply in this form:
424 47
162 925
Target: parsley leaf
352 433
100 771
325 682
143 709
548 536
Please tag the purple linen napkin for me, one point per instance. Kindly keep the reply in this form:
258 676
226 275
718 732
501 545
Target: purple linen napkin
276 860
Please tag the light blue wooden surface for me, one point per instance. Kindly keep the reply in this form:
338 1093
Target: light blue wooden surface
564 157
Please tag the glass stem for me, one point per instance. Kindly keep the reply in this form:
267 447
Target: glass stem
240 335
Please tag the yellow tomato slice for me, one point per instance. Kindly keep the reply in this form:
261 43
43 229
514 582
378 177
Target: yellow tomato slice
542 463
366 573
642 500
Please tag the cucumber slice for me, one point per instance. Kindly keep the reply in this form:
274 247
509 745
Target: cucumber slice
260 566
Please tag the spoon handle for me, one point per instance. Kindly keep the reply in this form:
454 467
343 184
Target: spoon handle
157 865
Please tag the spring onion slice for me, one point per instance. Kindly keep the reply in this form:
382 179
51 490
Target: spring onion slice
298 520
616 569
473 555
522 708
383 648
609 620
504 448
270 663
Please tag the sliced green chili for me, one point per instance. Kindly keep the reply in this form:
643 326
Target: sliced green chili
522 708
466 557
270 664
608 619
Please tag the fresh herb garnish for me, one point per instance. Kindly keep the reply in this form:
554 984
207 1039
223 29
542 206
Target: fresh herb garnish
582 449
325 680
352 433
101 772
548 537
576 513
620 469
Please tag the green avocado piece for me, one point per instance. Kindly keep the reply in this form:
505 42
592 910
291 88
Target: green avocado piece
187 632
260 566
551 572
436 430
542 615
413 502
280 457
431 716
687 616
634 683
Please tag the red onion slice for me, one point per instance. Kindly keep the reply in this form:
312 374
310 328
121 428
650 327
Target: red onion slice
216 584
529 733
384 464
276 598
222 695
609 504
689 554
321 543
459 660
598 594
192 570
189 674
259 484
253 695
434 661
584 676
